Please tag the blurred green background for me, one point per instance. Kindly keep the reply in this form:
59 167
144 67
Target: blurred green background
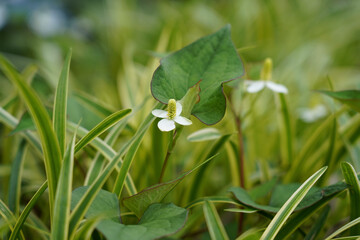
116 39
117 45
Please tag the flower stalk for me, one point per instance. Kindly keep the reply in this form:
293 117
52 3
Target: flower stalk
174 109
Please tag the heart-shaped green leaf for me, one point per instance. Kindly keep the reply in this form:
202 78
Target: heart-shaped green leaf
138 203
282 192
104 204
348 97
213 60
159 220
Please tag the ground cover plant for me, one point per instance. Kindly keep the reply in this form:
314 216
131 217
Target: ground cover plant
246 128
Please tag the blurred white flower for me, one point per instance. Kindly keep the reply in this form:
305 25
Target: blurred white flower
171 116
47 21
312 114
266 75
256 86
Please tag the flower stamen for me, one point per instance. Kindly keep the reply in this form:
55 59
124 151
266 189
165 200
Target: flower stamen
266 71
171 116
171 109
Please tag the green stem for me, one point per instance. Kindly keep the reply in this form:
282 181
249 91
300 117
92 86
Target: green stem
172 141
237 119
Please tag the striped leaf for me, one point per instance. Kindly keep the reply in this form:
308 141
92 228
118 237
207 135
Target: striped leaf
99 160
49 143
15 179
7 215
85 202
354 191
101 127
318 225
135 143
196 186
108 152
290 205
214 199
61 217
344 228
60 104
25 213
205 134
213 222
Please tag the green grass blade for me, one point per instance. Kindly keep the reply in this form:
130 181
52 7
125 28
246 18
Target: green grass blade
348 238
87 228
99 160
241 210
101 127
138 203
50 145
213 222
331 149
107 152
344 228
135 143
287 139
39 226
215 199
61 217
196 186
204 134
7 215
13 99
25 213
302 216
60 104
29 73
348 97
125 167
354 192
318 225
289 206
97 143
251 234
15 179
83 205
12 122
94 104
312 141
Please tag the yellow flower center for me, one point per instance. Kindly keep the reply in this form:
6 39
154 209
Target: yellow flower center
171 109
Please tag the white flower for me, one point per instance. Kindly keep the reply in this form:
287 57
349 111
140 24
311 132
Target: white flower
256 86
47 22
170 116
266 73
310 115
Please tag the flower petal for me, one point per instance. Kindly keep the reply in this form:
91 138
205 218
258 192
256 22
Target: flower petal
178 108
276 87
182 120
254 86
160 113
166 125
